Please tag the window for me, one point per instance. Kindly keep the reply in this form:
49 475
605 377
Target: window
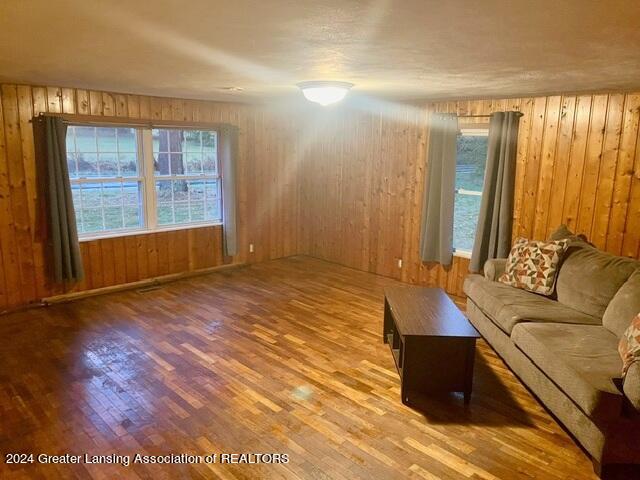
142 179
470 167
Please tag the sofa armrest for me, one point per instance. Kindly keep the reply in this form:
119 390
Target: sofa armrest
493 268
632 385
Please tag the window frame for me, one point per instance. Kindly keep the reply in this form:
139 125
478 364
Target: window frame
147 179
469 130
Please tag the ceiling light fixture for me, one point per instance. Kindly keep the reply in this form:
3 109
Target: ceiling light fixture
324 92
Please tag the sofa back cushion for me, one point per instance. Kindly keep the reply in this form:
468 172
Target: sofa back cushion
623 306
589 278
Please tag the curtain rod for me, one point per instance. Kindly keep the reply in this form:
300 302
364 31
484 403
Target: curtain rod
79 119
73 118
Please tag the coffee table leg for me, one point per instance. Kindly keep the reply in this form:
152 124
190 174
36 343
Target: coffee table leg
468 380
388 320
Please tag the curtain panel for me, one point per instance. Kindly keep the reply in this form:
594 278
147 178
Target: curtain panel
58 220
436 242
228 151
495 222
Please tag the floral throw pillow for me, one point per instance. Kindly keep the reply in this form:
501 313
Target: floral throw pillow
629 346
533 265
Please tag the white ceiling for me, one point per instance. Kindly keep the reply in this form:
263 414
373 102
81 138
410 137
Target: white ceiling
396 49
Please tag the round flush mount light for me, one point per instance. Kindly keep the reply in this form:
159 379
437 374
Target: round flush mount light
324 92
231 89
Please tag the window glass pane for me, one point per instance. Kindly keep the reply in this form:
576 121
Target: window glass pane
465 220
131 193
196 191
159 138
111 194
209 141
196 200
71 165
193 141
161 163
106 139
176 164
75 194
91 195
164 191
194 163
212 201
87 164
104 155
165 214
180 191
85 139
126 140
470 167
181 212
210 163
128 164
108 164
91 220
196 210
132 217
472 157
113 218
176 139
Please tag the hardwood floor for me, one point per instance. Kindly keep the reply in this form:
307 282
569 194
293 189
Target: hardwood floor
283 357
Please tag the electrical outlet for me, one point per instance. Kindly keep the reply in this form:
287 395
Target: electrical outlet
399 263
251 248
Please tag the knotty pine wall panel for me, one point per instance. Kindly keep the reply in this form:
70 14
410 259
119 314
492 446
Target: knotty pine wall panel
267 192
363 168
344 184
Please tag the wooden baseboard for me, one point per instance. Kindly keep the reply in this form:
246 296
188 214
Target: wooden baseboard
147 282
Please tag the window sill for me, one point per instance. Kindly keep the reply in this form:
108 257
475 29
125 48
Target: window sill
462 254
144 231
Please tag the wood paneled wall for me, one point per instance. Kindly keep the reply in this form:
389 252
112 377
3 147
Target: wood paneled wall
267 193
343 184
364 165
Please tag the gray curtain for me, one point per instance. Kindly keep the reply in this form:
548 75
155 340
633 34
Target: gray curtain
61 233
436 241
228 150
493 234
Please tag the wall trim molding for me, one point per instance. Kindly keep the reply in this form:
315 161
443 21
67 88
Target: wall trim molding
146 283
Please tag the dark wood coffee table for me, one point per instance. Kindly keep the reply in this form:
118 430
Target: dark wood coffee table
432 342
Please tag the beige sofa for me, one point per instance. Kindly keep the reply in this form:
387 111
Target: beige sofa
565 348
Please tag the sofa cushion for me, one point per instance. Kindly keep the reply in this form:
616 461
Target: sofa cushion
532 265
589 278
623 306
582 360
507 306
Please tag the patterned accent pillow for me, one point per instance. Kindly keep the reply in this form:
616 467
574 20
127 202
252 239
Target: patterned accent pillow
629 346
532 265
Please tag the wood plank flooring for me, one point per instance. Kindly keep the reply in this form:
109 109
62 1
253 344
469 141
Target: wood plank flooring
284 356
